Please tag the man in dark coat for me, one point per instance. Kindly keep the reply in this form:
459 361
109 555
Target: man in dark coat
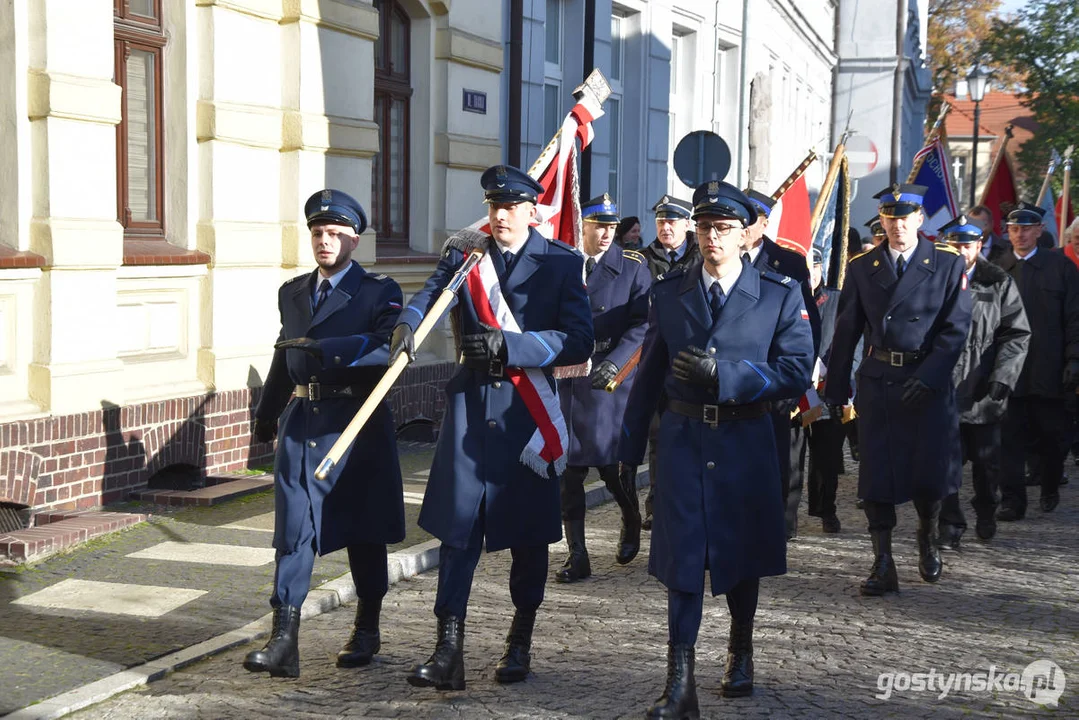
1037 419
618 283
724 340
909 298
331 353
675 247
984 376
765 253
994 247
494 479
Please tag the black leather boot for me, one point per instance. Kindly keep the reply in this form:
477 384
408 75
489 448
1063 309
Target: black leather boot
882 578
445 669
679 698
577 567
623 486
281 655
738 678
517 660
929 564
365 640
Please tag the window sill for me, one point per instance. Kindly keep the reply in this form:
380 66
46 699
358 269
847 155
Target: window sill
160 252
402 254
10 259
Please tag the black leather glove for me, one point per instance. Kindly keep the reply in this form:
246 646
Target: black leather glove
602 374
695 366
402 341
835 411
478 350
915 393
263 430
1071 375
308 345
999 391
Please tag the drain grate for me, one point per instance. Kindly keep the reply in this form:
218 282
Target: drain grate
13 517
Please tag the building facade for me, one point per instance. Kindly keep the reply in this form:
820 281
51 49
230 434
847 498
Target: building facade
155 156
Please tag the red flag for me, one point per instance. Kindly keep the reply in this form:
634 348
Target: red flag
1000 188
1062 222
794 215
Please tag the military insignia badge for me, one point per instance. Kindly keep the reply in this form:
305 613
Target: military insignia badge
713 187
666 199
326 197
876 263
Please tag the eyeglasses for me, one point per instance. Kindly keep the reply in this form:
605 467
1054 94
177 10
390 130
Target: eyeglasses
722 229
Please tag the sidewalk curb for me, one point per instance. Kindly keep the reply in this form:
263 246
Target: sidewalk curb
401 565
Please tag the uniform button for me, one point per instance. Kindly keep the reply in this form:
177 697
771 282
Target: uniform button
711 351
601 308
710 465
315 410
312 443
337 359
731 401
492 423
496 384
314 378
888 317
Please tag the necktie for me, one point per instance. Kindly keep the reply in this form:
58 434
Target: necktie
900 266
716 298
673 257
507 258
589 266
323 292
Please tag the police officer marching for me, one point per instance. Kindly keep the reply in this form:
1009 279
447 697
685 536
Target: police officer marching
494 478
909 297
723 341
330 354
675 247
985 375
618 282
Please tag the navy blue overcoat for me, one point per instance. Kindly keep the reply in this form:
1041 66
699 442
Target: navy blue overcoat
618 291
477 464
717 502
904 451
361 501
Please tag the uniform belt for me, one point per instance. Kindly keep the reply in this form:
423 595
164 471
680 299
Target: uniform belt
715 414
896 358
319 391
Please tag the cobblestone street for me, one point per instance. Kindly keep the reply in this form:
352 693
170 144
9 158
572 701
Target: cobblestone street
599 649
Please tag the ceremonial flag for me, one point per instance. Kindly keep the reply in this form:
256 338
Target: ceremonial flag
791 217
1051 206
1000 188
831 236
939 205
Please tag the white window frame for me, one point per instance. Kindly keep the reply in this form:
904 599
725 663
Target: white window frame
614 129
552 71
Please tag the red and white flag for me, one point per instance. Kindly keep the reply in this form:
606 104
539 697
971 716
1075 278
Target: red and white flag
794 212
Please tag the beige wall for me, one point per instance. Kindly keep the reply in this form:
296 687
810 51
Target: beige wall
266 101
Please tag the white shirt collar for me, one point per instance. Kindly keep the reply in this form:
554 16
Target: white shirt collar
597 258
894 254
753 253
515 248
725 283
334 279
1026 257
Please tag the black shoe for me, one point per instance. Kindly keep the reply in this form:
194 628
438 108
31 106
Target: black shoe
830 524
624 489
1049 502
281 655
929 562
577 566
860 504
646 524
516 662
365 640
445 669
949 536
1008 513
738 677
986 527
679 698
883 577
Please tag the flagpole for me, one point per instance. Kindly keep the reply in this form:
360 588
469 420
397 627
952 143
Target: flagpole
996 164
929 140
798 172
844 228
826 188
1065 199
1045 181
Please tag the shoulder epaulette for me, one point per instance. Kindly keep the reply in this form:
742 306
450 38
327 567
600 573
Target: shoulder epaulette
563 246
776 277
864 252
946 248
298 278
633 255
380 276
672 273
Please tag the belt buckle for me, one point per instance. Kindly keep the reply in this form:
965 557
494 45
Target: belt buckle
314 392
711 415
897 359
496 369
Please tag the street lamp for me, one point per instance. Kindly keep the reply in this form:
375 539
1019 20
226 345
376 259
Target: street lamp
977 79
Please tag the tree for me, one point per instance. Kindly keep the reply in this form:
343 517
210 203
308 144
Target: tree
1043 41
955 33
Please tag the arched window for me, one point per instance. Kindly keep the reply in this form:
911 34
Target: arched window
393 88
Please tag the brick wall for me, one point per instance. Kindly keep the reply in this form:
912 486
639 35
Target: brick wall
95 458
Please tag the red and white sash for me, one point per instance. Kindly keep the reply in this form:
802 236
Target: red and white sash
548 444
